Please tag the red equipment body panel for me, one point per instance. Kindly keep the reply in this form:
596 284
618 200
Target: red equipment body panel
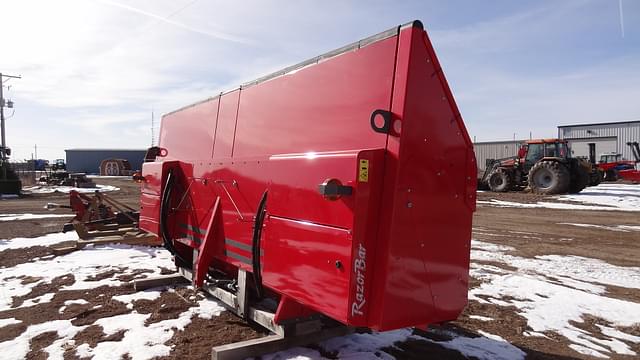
632 175
377 120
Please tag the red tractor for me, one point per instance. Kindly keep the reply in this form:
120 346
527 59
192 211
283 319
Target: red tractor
612 163
544 165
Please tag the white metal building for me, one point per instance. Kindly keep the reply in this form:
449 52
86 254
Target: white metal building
88 160
495 150
611 137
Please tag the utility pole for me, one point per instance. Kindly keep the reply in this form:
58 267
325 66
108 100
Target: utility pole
3 103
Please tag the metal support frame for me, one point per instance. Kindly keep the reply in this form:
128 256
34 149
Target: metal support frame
130 238
243 295
274 343
297 332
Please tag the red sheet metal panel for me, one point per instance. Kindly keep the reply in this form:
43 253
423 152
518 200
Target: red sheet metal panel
303 201
189 132
225 131
310 263
151 190
323 107
423 257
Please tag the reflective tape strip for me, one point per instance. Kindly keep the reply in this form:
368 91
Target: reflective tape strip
240 245
237 244
238 257
195 229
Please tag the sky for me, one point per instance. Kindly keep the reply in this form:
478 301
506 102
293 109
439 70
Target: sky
94 70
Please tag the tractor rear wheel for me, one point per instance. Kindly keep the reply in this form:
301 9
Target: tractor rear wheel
579 180
500 180
549 177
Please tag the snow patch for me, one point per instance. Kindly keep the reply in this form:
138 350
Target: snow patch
50 189
491 336
140 295
9 321
368 346
621 196
140 341
604 197
620 228
37 300
76 301
548 205
481 318
18 348
155 335
71 302
13 217
109 177
46 240
575 271
555 292
83 265
485 348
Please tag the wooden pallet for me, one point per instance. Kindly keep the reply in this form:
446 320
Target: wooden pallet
129 238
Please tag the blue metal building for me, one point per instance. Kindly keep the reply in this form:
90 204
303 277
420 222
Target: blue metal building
88 160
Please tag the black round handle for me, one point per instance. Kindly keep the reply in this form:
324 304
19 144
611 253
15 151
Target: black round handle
386 116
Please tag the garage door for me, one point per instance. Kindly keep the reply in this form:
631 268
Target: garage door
580 148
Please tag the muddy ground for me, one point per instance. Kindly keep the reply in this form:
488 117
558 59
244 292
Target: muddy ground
531 232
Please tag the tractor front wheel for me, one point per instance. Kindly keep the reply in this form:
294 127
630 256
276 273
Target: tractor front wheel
611 175
500 180
549 177
595 178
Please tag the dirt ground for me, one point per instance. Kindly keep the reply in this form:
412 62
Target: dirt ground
531 232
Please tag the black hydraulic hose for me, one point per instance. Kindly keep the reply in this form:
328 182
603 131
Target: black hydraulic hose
255 245
164 213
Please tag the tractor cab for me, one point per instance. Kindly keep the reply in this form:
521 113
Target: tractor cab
533 151
59 164
610 158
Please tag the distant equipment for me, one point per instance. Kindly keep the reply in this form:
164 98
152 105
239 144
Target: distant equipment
100 219
632 174
37 164
115 167
544 165
64 178
58 165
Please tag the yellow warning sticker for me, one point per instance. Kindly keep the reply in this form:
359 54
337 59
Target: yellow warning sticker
363 171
